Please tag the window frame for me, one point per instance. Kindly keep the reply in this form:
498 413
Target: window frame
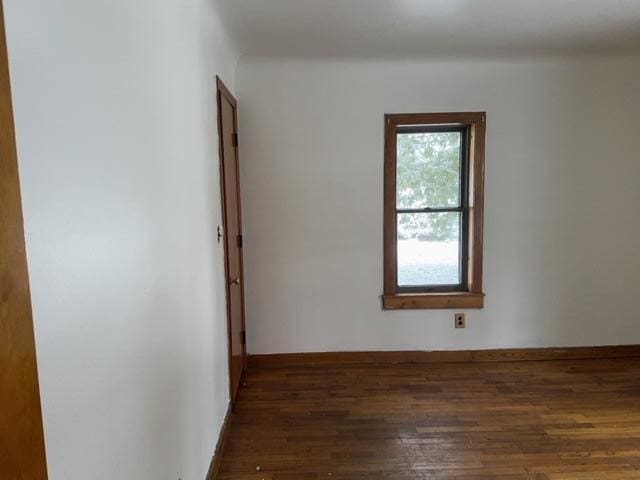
469 293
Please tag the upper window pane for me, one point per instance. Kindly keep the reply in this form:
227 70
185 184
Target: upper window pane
428 170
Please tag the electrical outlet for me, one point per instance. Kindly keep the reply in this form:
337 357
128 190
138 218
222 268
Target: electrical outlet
460 320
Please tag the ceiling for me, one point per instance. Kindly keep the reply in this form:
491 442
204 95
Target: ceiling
442 28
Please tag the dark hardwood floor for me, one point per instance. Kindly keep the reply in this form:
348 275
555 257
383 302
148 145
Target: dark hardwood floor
526 420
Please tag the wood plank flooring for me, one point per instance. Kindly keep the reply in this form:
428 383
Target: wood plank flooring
542 420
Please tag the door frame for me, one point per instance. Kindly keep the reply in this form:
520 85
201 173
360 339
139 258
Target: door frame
22 445
222 92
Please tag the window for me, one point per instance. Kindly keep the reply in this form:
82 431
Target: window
433 210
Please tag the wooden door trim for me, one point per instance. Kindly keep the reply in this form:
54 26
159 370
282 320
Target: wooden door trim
223 92
222 88
22 449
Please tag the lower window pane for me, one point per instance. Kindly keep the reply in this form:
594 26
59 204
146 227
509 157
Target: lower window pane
429 249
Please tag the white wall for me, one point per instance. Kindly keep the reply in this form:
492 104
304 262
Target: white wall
116 127
561 260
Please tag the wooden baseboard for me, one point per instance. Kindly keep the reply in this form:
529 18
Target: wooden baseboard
440 356
216 461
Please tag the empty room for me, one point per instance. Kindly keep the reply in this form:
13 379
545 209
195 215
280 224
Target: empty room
319 239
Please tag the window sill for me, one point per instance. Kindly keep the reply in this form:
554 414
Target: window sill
418 301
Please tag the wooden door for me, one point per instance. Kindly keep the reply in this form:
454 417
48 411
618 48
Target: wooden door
230 186
22 454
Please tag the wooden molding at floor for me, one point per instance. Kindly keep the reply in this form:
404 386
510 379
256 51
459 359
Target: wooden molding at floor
441 356
216 461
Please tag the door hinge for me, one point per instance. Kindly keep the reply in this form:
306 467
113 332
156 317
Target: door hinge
243 337
239 239
234 139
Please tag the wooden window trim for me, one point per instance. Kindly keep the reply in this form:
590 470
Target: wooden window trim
472 295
